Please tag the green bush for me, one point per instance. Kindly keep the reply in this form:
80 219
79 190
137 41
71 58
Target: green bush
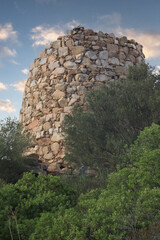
69 225
28 199
129 204
13 143
83 183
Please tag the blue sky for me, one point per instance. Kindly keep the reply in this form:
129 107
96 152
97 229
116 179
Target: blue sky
27 26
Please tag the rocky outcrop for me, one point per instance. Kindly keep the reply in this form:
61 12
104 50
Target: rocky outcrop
59 78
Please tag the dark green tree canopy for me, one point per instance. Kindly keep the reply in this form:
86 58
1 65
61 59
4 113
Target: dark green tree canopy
116 113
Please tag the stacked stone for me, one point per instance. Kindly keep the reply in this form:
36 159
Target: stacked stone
60 77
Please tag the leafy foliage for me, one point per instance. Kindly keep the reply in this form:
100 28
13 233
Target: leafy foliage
12 146
128 207
2 183
28 199
115 115
44 207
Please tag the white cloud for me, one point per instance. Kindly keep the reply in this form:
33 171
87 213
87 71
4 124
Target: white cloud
7 32
157 70
42 35
72 24
2 86
149 40
5 52
8 37
7 106
19 86
25 71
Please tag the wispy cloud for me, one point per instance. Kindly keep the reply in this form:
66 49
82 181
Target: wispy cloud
71 24
8 38
157 70
7 32
19 86
14 62
7 106
5 52
44 34
149 40
25 71
2 86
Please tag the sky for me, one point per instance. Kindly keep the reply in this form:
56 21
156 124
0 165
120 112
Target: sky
26 27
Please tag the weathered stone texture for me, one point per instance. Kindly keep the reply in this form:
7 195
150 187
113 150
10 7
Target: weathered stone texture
60 77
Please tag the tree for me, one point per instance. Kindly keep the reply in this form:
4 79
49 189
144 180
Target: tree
116 113
13 143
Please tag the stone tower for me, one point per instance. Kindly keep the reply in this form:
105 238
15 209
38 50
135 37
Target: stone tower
59 78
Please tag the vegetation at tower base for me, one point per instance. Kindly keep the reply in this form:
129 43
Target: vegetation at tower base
115 114
130 202
13 143
23 203
127 209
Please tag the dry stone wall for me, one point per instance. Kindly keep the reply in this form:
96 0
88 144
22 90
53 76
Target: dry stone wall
61 75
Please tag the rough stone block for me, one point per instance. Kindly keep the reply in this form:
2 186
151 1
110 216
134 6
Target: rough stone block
58 94
55 148
70 65
56 44
77 50
103 55
53 65
58 71
57 137
63 51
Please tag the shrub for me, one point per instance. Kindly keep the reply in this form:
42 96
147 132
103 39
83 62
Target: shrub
12 146
28 199
127 207
70 224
